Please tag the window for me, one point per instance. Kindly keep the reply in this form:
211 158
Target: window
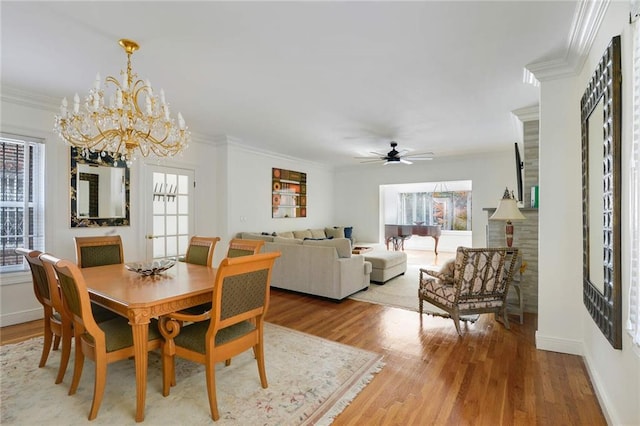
449 209
22 199
633 324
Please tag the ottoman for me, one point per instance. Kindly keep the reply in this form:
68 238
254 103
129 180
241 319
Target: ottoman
386 265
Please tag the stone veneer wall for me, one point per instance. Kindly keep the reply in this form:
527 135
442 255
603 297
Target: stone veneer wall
531 130
525 232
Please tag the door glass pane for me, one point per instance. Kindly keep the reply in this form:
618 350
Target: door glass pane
159 247
172 225
171 206
158 225
183 225
183 184
172 246
183 204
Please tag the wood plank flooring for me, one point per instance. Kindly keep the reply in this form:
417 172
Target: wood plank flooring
489 376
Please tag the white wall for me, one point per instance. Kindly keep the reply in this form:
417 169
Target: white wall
357 193
247 179
564 324
17 302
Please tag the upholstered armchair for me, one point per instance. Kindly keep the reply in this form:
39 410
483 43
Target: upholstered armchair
479 284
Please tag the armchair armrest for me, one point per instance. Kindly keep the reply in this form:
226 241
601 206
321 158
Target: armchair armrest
182 316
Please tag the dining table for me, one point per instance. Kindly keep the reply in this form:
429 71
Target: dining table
140 298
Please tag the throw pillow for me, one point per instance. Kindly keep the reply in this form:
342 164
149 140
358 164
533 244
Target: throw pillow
337 232
287 234
348 230
318 233
303 234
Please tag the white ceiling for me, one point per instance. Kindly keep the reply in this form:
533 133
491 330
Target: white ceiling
323 81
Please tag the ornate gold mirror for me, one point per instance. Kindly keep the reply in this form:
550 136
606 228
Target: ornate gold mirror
99 190
601 108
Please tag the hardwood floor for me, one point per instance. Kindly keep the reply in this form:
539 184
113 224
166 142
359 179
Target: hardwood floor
489 376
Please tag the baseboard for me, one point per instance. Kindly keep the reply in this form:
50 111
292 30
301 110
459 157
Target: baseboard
20 317
605 404
554 344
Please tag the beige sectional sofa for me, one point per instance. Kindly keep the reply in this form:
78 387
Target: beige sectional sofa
321 267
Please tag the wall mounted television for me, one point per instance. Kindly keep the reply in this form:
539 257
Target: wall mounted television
519 167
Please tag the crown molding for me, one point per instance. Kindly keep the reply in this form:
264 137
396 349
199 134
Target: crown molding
529 113
586 22
22 97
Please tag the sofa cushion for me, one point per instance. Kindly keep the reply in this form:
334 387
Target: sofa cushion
281 240
285 234
342 245
337 232
256 236
318 233
303 234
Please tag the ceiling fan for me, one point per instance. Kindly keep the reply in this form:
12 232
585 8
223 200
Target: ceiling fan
396 157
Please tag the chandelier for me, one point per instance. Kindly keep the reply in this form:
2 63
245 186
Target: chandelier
135 120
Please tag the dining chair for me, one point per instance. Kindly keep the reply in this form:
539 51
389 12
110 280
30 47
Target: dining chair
234 325
57 325
99 251
105 342
479 284
239 247
200 250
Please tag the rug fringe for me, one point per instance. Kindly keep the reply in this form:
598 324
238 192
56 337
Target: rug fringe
349 396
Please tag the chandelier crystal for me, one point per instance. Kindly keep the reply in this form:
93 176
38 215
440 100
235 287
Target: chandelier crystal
135 120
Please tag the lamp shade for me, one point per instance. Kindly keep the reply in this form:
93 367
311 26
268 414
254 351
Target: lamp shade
507 210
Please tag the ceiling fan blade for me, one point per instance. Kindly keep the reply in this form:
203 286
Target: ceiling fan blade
378 154
372 160
419 158
404 161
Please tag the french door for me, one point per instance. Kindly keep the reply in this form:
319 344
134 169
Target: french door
169 211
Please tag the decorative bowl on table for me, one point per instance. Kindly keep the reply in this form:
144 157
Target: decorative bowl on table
150 268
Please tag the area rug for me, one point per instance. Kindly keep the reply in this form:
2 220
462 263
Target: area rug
402 292
311 380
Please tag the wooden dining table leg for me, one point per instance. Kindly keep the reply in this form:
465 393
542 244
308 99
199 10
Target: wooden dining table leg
140 328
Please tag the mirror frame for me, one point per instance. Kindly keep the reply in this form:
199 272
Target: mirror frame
606 86
106 160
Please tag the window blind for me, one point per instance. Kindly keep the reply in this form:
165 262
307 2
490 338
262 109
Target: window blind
21 198
633 323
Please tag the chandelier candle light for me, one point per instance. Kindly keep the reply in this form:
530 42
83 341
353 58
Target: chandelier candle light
124 127
508 210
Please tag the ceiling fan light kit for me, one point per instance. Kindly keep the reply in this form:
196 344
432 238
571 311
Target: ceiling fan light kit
396 157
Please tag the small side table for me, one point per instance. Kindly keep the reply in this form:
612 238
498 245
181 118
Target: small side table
516 282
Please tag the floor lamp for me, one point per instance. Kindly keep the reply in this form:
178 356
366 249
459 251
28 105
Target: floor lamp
508 211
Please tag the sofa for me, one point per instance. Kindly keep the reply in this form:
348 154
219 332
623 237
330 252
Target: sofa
317 266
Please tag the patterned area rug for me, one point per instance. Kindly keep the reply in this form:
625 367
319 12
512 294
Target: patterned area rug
402 292
311 380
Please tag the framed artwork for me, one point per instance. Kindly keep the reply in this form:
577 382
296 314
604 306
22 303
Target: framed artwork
288 193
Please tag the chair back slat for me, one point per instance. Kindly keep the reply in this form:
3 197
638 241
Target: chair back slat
239 247
481 273
200 250
99 251
243 293
242 289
